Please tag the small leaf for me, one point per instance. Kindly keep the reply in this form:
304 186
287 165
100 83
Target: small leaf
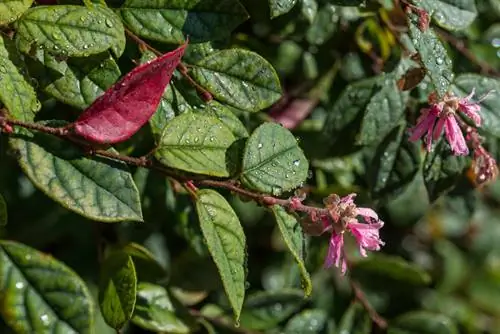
280 7
117 289
323 26
169 21
293 236
130 103
273 162
433 55
196 143
239 78
147 265
40 294
308 321
73 31
154 310
265 310
103 191
11 10
3 211
392 267
422 322
490 113
355 320
226 242
451 14
16 93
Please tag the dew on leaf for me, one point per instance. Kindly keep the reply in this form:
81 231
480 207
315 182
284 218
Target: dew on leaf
19 285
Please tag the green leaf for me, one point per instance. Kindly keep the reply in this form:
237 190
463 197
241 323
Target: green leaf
395 164
73 31
265 310
490 113
16 93
77 82
308 321
117 289
355 320
196 143
309 9
239 78
170 21
422 322
280 7
384 112
347 2
324 25
273 162
442 169
147 265
98 189
226 116
292 234
451 14
11 10
226 242
454 269
40 294
433 55
154 310
392 267
3 211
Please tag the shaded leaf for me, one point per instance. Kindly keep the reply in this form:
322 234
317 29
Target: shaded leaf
226 242
16 93
451 14
347 2
455 269
308 321
11 10
273 162
292 234
3 211
239 78
196 143
433 55
170 21
117 289
226 116
355 320
130 103
154 310
103 191
72 31
422 322
146 264
280 7
40 294
324 25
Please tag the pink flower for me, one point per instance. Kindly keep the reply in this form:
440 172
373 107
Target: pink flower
453 134
336 252
425 125
471 110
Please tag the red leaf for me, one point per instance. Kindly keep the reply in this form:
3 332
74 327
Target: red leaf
125 107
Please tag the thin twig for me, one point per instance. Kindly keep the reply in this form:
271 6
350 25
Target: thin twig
361 298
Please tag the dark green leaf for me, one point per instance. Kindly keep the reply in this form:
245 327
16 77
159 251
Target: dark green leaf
395 163
96 189
280 7
154 310
346 2
454 269
170 21
392 267
292 234
196 143
16 93
40 294
264 310
273 162
10 10
451 14
309 9
226 116
117 289
146 264
76 82
490 113
433 55
355 320
323 26
240 78
72 31
422 322
226 242
3 211
308 321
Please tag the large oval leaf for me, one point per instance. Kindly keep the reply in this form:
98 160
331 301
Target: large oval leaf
96 189
196 143
117 289
273 162
40 294
292 234
16 93
226 242
490 112
10 10
70 30
451 14
170 21
240 78
280 7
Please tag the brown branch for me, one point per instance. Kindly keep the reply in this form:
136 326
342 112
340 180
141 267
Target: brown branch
361 298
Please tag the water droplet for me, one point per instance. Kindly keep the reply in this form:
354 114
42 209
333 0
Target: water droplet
287 176
212 138
196 139
2 69
259 146
45 319
296 162
85 46
109 24
439 61
27 257
19 285
276 191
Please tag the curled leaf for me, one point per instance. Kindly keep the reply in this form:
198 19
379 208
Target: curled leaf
125 107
